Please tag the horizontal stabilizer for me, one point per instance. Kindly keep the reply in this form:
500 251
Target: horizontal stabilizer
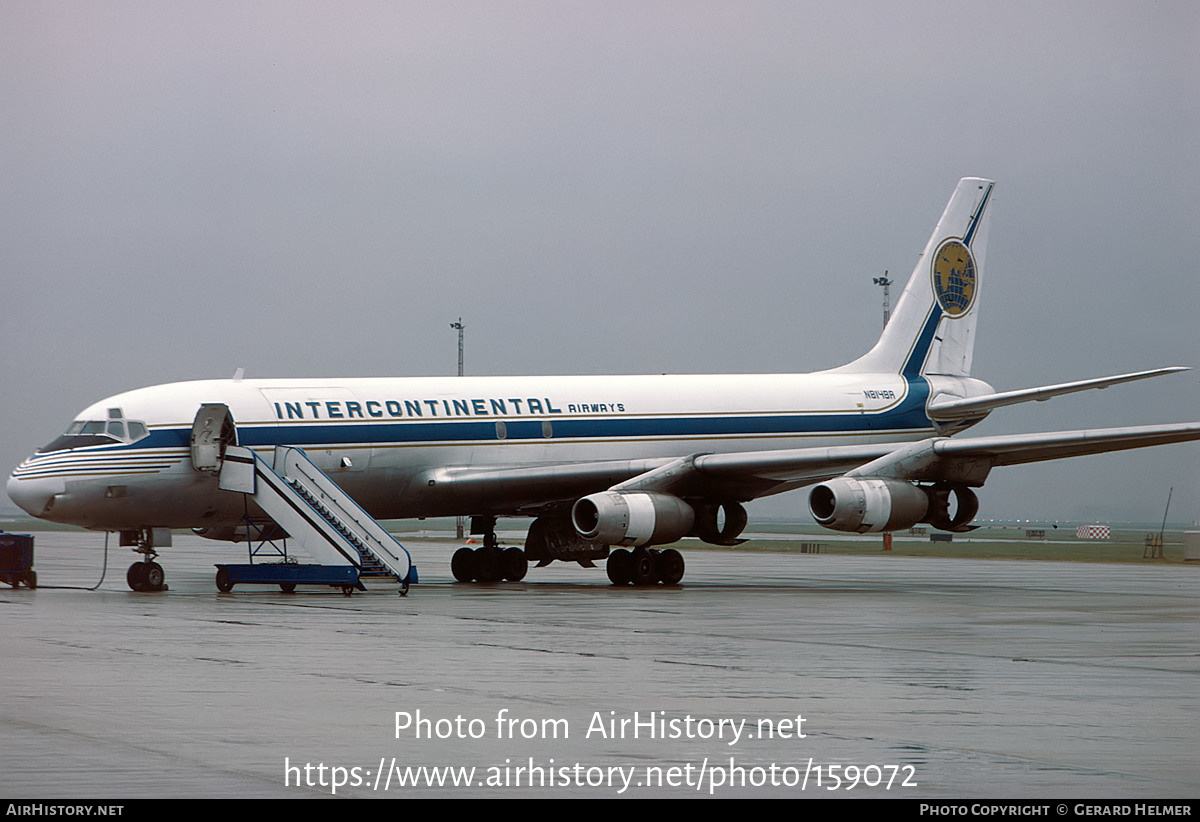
955 408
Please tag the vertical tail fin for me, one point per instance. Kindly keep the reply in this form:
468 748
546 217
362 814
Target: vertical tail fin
932 330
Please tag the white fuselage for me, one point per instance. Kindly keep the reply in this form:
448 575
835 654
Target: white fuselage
385 440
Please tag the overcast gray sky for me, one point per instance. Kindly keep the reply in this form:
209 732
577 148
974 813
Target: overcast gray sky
320 188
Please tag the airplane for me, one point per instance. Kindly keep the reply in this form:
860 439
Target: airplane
608 467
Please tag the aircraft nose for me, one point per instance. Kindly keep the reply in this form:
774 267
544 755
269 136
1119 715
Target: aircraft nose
31 495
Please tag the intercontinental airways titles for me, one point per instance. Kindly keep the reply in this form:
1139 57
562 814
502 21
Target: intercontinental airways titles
436 408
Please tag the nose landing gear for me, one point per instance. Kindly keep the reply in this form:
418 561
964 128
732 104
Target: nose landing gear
146 575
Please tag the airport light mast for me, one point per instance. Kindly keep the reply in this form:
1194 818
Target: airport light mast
887 315
887 296
459 524
459 325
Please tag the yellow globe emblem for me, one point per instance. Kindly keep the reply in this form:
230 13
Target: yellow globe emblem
954 278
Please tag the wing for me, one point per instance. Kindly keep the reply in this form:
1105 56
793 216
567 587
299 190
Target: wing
747 475
966 460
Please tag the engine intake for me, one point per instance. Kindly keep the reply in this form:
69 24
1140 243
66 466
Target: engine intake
614 518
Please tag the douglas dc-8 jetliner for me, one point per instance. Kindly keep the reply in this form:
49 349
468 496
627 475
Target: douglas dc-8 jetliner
597 461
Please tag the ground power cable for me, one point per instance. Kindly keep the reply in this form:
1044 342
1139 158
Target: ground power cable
103 571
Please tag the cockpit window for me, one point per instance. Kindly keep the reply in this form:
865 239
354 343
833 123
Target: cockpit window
81 433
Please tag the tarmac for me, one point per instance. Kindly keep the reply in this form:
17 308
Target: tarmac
764 674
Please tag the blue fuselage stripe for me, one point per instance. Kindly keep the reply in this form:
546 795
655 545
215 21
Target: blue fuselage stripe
908 415
916 360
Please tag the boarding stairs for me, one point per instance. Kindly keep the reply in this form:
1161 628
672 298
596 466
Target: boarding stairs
316 514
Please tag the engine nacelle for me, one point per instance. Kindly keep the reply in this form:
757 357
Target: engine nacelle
864 505
966 507
614 518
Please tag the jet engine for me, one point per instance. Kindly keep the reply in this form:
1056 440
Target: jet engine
862 505
869 504
615 518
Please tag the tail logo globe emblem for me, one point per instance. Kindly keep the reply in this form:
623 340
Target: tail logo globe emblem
954 278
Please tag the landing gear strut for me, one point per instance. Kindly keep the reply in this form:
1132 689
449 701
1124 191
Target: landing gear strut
146 575
489 562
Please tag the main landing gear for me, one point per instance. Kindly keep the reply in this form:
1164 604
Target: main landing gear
489 562
492 563
146 575
645 566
